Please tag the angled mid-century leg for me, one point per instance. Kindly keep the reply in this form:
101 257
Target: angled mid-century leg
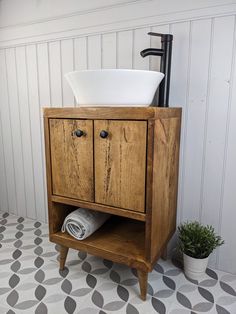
143 279
63 255
164 254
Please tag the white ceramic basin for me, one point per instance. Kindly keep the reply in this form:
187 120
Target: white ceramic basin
116 87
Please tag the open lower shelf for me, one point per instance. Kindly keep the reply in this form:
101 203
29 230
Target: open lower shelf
120 240
100 207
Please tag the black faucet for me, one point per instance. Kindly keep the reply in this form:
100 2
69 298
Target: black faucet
165 54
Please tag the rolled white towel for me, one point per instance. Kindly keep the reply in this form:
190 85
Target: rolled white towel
82 222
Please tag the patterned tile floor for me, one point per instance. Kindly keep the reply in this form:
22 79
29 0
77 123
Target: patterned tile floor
30 281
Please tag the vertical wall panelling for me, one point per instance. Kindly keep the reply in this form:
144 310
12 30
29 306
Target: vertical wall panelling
179 91
141 41
16 131
80 53
217 120
195 124
125 50
227 229
36 131
3 188
7 136
55 73
156 43
94 52
109 51
44 92
43 73
67 65
25 131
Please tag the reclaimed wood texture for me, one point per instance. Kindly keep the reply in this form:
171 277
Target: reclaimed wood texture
72 158
112 113
135 173
57 214
63 256
165 181
143 282
119 239
48 157
99 207
120 163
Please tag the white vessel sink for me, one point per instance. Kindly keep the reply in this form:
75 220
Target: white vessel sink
116 87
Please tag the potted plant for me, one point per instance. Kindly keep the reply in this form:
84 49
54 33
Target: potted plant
197 242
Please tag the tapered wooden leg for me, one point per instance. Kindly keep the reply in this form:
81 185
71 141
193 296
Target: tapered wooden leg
164 254
143 279
63 255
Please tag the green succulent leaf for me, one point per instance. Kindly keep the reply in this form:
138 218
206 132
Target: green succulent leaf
197 240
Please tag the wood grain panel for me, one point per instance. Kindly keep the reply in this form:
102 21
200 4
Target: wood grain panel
100 207
72 158
165 182
112 113
119 240
120 163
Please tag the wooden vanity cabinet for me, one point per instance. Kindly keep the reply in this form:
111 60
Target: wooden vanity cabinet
123 161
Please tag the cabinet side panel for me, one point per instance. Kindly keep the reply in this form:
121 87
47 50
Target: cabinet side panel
165 183
120 164
52 226
47 155
149 178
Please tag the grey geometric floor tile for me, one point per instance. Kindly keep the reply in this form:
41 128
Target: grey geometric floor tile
30 280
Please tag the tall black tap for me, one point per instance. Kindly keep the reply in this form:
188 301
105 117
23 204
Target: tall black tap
165 54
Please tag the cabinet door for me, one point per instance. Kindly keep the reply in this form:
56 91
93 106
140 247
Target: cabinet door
72 158
120 163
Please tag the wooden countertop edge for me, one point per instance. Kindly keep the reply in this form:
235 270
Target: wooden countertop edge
135 113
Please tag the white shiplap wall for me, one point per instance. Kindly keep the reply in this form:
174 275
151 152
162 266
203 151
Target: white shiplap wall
203 82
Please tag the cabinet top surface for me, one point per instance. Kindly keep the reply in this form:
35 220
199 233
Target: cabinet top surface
135 113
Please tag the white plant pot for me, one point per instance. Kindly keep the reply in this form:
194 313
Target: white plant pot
195 268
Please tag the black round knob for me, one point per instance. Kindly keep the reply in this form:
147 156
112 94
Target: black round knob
79 133
103 134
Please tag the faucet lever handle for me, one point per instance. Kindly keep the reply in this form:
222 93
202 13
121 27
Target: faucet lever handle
164 37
